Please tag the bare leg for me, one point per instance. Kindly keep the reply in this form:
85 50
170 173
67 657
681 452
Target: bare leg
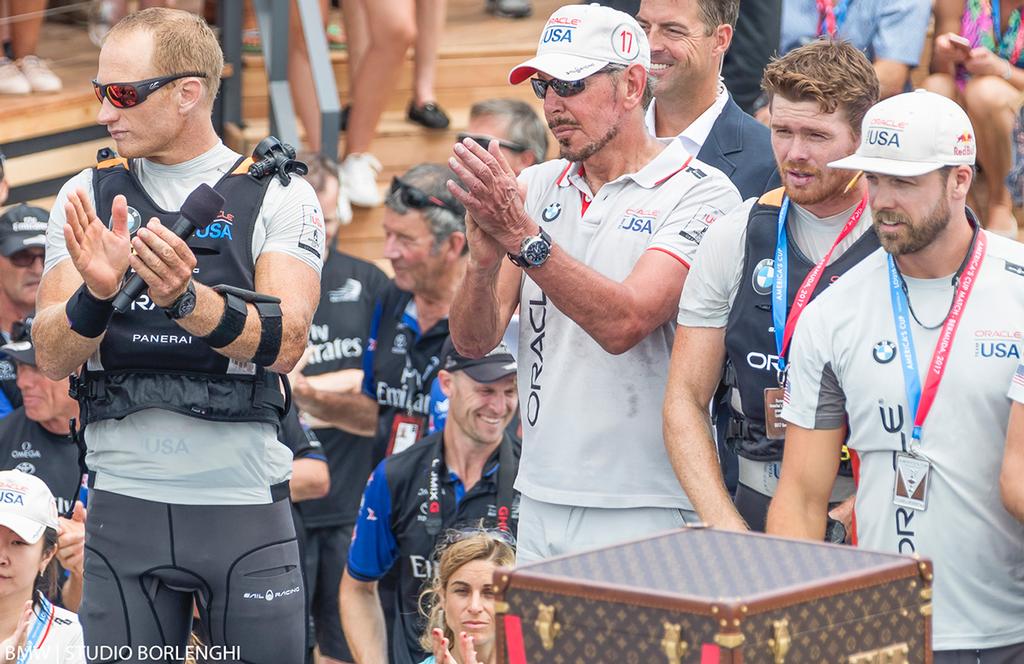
430 15
25 32
392 29
942 84
300 78
990 104
357 34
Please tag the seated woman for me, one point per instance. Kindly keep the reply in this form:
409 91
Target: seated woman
460 600
32 630
976 60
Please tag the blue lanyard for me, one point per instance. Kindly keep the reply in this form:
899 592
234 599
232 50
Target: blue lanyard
780 284
908 355
780 287
38 630
997 21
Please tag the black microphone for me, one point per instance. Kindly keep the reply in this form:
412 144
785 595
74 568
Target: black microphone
198 211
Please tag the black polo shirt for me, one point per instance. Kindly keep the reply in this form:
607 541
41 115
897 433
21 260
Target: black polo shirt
349 290
399 365
53 458
402 521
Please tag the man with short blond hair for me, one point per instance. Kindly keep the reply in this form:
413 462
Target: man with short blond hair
180 394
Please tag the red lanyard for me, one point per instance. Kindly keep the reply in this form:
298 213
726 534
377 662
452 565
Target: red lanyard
803 294
949 328
827 15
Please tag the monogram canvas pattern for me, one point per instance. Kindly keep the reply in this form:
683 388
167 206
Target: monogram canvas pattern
713 564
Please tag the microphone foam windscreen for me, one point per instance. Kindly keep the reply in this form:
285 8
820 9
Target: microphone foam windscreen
202 205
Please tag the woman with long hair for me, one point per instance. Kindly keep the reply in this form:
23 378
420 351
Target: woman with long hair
460 600
32 629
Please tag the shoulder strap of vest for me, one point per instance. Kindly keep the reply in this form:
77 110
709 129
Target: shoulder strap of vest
772 198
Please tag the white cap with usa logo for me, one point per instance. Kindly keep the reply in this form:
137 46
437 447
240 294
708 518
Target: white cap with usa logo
26 505
579 40
912 134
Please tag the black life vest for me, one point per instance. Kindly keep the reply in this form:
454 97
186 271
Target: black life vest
751 353
146 360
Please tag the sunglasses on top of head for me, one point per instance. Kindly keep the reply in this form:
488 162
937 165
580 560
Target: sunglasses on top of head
418 199
127 95
567 88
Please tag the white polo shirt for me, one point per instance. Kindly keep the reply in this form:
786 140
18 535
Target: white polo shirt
844 366
592 420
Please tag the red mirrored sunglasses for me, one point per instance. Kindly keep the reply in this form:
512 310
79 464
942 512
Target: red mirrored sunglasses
126 95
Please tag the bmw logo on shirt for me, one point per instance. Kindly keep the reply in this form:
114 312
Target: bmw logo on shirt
884 351
764 277
551 212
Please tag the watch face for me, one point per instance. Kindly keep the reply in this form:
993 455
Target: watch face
536 251
187 305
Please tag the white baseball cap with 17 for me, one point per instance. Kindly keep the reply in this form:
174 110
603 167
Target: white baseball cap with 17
912 134
26 505
579 40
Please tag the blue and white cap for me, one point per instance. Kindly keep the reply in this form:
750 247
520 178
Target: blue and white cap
26 505
912 134
580 40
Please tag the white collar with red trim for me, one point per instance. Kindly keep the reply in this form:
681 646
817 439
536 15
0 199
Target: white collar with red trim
665 164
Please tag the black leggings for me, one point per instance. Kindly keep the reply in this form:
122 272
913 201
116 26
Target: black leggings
147 562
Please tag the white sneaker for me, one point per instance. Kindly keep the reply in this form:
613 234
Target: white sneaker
359 179
12 81
39 75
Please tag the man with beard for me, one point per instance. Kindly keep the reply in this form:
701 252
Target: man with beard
689 39
599 243
909 355
757 268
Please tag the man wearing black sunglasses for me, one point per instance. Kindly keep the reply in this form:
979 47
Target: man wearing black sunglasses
22 238
599 245
181 395
515 125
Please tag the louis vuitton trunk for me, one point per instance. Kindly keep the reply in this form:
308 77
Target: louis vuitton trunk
703 596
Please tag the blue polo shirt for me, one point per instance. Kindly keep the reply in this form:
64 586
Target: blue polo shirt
883 29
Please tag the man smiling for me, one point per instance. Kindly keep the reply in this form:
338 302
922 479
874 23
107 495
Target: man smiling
688 40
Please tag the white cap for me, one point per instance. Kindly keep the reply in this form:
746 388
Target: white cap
26 505
579 40
912 134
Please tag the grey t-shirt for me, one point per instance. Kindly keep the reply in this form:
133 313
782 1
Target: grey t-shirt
711 286
167 457
845 368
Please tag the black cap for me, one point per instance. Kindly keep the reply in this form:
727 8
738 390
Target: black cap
491 367
21 227
20 351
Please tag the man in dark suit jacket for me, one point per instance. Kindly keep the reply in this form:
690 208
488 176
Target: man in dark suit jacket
688 40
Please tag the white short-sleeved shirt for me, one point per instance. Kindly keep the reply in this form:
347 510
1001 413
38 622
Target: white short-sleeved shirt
59 638
592 420
159 455
844 366
717 273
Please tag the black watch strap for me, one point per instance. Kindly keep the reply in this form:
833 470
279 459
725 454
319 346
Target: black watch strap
519 261
178 309
231 324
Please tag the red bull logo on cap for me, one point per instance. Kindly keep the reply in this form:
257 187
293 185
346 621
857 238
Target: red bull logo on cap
964 145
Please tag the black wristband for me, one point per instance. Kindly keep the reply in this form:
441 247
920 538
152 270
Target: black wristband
270 333
231 324
88 315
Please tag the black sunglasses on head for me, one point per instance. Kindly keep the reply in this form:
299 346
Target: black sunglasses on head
127 95
418 199
485 142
